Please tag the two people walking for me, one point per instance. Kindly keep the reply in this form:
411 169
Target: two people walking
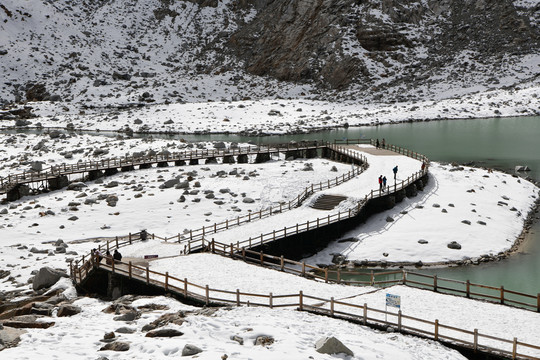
379 145
382 179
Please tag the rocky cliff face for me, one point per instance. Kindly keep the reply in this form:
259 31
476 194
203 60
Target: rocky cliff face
132 51
337 42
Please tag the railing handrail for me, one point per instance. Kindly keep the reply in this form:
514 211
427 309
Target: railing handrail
301 305
80 166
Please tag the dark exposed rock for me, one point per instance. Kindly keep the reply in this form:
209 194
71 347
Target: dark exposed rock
46 277
68 310
116 346
164 333
190 350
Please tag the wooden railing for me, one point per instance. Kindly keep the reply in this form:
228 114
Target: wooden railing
198 234
276 234
79 167
471 339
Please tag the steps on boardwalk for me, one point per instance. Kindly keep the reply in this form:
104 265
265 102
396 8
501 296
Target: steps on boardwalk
327 202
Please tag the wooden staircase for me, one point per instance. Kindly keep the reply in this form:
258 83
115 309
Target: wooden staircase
327 202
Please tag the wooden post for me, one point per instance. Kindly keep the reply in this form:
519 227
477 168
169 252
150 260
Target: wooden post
332 306
130 238
404 278
338 275
185 287
475 342
301 300
282 262
502 294
207 295
167 281
270 300
117 242
244 253
107 245
147 275
399 320
538 302
303 268
436 334
514 349
262 258
130 271
326 275
469 289
112 266
213 246
372 281
435 283
365 313
237 297
232 255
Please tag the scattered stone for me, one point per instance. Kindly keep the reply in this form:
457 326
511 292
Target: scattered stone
68 310
264 340
46 277
125 330
190 350
436 205
248 200
454 245
466 222
238 339
164 333
331 345
422 241
112 184
128 316
480 222
73 218
116 346
389 219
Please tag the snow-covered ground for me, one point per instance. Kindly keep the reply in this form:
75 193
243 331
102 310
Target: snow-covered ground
23 228
495 204
294 334
288 116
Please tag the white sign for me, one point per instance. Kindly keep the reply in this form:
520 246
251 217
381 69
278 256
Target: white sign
393 300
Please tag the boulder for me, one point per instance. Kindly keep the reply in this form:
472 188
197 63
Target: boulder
129 316
116 346
68 310
169 184
454 245
36 165
46 277
248 200
264 340
164 333
190 350
331 345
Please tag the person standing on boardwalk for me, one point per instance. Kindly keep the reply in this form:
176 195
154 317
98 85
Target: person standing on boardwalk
384 182
380 183
395 169
383 143
377 144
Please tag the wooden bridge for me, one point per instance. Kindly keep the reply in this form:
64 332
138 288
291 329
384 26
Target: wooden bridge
472 341
57 176
463 339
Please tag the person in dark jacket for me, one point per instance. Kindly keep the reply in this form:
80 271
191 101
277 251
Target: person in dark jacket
117 256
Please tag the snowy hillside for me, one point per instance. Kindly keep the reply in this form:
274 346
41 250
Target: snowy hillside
125 51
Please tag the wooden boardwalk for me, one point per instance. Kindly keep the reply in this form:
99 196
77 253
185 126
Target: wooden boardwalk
112 165
470 340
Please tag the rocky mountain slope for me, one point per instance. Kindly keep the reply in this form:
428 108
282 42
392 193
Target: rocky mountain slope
118 52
